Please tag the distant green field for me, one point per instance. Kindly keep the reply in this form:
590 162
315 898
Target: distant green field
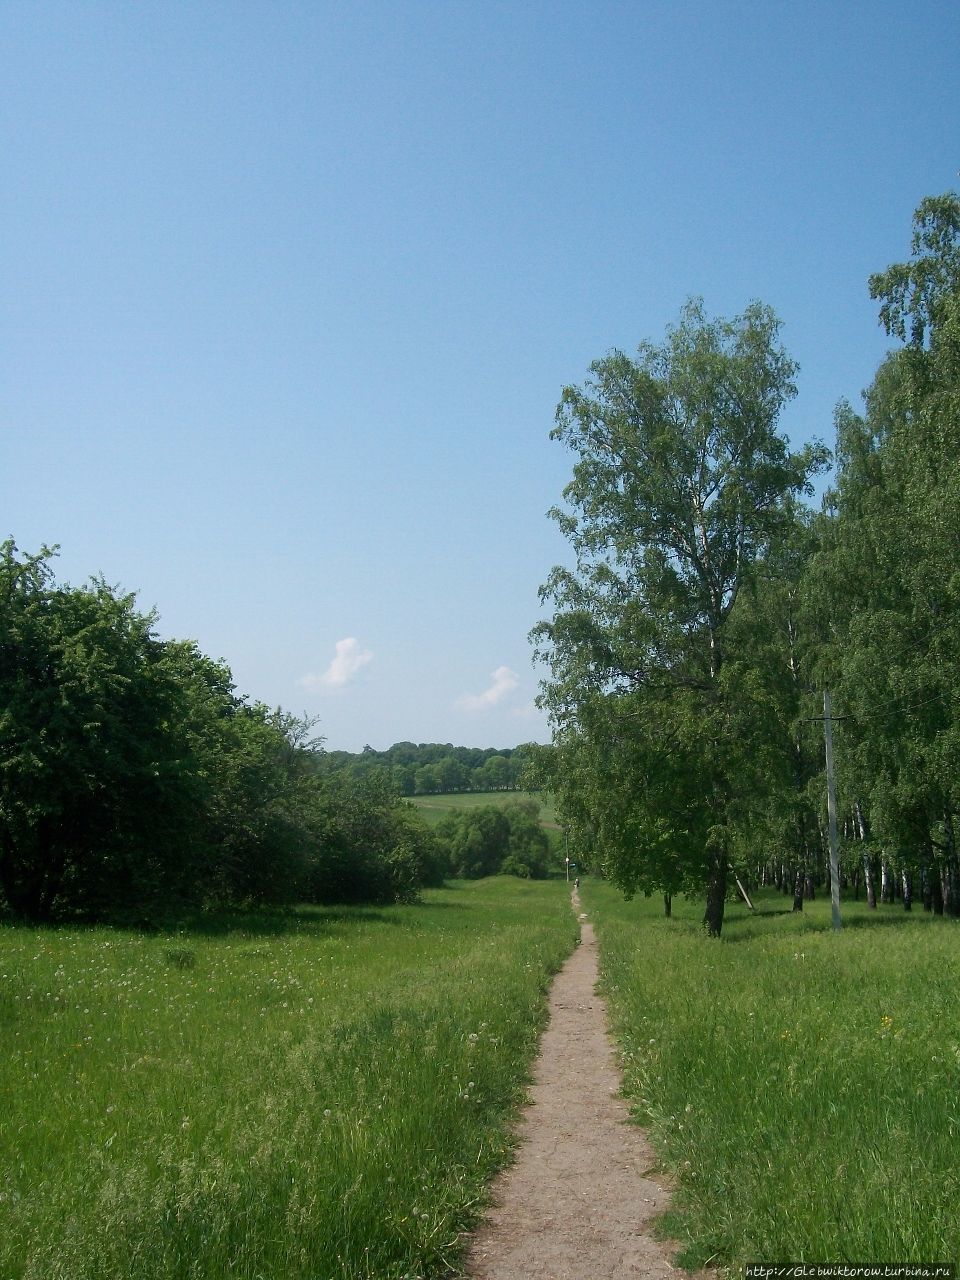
436 807
319 1094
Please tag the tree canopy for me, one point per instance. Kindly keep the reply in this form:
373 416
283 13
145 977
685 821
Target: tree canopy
681 484
134 779
708 608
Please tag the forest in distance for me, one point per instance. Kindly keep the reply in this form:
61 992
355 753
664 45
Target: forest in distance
434 768
686 657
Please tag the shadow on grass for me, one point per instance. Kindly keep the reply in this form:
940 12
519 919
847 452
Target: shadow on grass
742 928
267 923
274 921
262 922
874 919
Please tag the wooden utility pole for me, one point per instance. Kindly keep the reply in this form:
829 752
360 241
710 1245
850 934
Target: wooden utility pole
832 814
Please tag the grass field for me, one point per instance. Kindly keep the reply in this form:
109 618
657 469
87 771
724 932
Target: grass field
802 1088
434 808
318 1094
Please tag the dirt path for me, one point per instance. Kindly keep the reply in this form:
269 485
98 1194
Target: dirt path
575 1205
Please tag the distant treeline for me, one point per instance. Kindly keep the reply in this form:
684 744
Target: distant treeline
431 768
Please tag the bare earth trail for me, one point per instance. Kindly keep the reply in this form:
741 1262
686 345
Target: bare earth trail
576 1204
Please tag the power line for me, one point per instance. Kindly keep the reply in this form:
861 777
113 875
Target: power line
882 708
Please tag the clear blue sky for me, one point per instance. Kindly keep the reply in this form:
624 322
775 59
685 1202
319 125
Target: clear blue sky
290 292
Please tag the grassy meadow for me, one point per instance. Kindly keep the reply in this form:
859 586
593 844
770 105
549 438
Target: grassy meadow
802 1089
434 808
322 1093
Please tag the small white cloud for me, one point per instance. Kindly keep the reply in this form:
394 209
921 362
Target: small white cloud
348 660
502 682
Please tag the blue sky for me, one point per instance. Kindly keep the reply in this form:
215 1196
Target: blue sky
290 292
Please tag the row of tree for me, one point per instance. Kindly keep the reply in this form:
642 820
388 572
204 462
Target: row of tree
432 768
493 840
134 779
708 606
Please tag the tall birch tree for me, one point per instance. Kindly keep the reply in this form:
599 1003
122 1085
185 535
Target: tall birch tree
681 481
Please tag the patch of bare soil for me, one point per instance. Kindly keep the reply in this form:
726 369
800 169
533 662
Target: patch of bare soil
576 1204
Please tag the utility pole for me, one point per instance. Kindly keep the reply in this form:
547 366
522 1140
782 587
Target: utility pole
832 814
566 852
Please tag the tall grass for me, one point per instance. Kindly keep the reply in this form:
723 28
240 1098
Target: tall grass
322 1094
802 1087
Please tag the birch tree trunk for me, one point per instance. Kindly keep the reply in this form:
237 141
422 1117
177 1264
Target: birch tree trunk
951 870
907 882
798 890
868 879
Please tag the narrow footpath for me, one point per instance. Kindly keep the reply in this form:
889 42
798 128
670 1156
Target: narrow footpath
575 1204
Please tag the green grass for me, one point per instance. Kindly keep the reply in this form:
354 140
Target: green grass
317 1094
802 1088
434 808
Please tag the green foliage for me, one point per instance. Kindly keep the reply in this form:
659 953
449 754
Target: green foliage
800 1087
708 610
369 847
887 572
300 1094
94 791
493 839
134 779
432 768
681 485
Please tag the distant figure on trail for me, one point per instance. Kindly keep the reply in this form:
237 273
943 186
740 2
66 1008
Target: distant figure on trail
576 883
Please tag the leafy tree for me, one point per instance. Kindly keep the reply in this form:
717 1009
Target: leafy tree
773 641
492 839
528 848
681 483
497 773
133 779
94 791
887 572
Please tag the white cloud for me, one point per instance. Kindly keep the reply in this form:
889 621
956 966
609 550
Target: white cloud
502 682
348 660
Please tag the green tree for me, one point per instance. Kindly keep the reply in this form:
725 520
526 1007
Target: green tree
94 789
528 848
133 779
681 482
888 573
